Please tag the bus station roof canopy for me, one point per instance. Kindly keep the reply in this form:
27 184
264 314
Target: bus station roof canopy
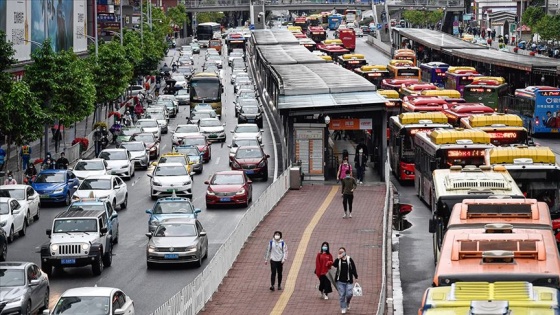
508 60
274 37
436 40
287 54
323 85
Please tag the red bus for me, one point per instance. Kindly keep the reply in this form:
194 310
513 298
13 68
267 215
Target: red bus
455 112
332 47
423 104
416 88
317 33
301 22
348 38
396 84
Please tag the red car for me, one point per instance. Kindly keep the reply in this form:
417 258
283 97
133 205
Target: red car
229 188
202 143
252 160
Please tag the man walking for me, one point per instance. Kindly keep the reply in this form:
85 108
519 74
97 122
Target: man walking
360 158
25 155
276 253
348 186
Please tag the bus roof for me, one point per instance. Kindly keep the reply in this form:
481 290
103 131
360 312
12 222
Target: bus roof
522 255
422 118
443 92
374 68
459 70
521 155
458 136
419 86
470 108
205 75
401 63
434 64
495 120
389 94
531 90
515 212
399 82
353 56
404 51
508 297
482 80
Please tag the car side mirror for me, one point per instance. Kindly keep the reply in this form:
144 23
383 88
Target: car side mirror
30 198
149 211
192 174
261 130
249 181
114 215
49 232
208 143
119 311
231 131
202 233
34 282
149 235
267 156
117 187
206 182
197 210
103 230
108 168
45 312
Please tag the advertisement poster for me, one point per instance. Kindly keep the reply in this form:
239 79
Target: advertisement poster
53 19
17 25
80 26
3 15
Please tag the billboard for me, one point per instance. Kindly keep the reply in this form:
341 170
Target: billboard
27 23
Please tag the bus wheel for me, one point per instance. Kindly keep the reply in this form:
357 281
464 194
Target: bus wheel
437 240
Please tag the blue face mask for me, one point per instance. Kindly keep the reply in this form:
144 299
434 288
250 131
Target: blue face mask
325 248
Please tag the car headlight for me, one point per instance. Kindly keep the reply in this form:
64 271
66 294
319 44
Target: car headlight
54 247
153 148
191 248
156 183
210 192
152 249
187 182
85 246
3 223
240 191
125 166
59 190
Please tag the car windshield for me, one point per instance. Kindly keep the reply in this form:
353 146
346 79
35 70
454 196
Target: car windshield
166 103
210 123
113 155
173 207
75 225
235 54
12 277
194 141
157 116
246 129
205 89
89 166
50 178
144 138
173 159
243 80
131 131
227 179
175 230
95 184
215 57
134 146
193 151
248 154
80 305
250 110
248 94
245 142
165 170
87 207
183 92
18 194
4 208
187 129
147 123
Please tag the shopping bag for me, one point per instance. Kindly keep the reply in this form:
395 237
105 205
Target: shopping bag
331 275
357 290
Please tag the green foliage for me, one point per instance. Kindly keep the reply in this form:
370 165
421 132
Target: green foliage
433 17
531 16
133 50
178 14
19 115
204 17
6 62
112 71
416 17
548 27
40 75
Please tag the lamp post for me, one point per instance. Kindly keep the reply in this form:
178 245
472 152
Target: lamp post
121 22
94 40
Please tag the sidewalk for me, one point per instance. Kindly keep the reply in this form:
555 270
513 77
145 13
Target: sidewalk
307 217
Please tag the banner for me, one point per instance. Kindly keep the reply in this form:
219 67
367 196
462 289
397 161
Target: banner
351 124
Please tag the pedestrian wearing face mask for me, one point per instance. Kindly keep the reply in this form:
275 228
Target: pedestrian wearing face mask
10 180
345 166
348 187
276 253
360 159
323 263
345 274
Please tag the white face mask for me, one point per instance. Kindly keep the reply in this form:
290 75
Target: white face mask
276 237
361 151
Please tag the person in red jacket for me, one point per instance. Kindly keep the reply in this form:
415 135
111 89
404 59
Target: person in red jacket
323 263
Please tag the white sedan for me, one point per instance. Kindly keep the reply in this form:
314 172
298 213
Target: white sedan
104 187
183 131
247 131
13 217
213 129
94 300
25 194
85 168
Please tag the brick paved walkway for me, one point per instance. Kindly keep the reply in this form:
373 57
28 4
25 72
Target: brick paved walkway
245 290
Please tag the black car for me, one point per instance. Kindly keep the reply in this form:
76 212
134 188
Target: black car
250 115
3 245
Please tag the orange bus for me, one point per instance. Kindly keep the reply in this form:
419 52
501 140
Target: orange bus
373 73
405 54
403 71
498 253
463 110
504 129
477 213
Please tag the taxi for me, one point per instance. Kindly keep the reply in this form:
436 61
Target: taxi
174 157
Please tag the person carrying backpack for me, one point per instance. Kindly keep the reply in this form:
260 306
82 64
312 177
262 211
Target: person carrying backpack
276 253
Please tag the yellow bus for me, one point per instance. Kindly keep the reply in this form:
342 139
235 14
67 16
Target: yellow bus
206 87
503 129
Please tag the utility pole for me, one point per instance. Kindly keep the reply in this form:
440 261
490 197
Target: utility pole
121 18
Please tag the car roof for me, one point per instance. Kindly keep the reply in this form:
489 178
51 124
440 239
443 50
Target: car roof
51 171
145 134
131 142
187 146
229 173
178 220
173 199
89 291
210 118
171 164
114 150
87 201
246 125
185 125
90 214
100 177
91 160
249 147
148 119
14 264
18 186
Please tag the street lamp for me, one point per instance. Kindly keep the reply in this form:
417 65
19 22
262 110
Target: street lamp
33 42
94 40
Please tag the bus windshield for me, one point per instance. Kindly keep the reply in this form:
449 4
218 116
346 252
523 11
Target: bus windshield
407 72
462 157
205 90
206 31
541 184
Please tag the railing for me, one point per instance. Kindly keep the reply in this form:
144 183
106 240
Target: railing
386 247
415 3
192 298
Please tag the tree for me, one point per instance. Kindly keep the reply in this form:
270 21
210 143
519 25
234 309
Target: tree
531 16
133 51
178 14
435 16
6 62
204 17
415 17
548 27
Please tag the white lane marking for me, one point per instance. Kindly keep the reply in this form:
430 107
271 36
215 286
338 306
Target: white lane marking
163 147
135 181
218 161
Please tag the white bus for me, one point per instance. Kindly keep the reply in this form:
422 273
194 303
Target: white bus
207 31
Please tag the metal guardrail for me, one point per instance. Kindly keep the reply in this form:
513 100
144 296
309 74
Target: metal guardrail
361 3
192 298
386 247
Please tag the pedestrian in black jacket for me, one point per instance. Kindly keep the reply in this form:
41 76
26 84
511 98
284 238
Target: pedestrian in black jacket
345 274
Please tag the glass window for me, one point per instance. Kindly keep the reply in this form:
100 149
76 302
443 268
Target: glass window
79 305
205 89
11 277
210 123
194 141
113 155
247 129
227 179
173 207
248 154
50 178
75 225
95 184
164 170
18 194
175 230
133 146
89 166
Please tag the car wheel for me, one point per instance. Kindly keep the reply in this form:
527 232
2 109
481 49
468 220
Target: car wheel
154 197
145 168
45 300
27 310
108 257
116 240
4 251
97 266
37 215
206 252
150 265
114 203
11 235
132 172
198 263
24 227
125 202
47 269
68 200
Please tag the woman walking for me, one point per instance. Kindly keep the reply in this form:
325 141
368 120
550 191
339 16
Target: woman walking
345 274
323 263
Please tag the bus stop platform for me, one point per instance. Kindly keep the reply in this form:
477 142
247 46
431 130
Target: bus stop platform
307 217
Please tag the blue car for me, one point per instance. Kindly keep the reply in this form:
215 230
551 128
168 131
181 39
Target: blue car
170 207
112 216
56 186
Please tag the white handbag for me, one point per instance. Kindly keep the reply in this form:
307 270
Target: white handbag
357 290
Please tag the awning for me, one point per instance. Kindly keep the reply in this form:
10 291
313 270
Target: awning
372 100
508 60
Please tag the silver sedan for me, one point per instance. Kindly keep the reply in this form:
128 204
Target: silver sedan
24 288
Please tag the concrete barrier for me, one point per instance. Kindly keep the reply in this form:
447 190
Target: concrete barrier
381 46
